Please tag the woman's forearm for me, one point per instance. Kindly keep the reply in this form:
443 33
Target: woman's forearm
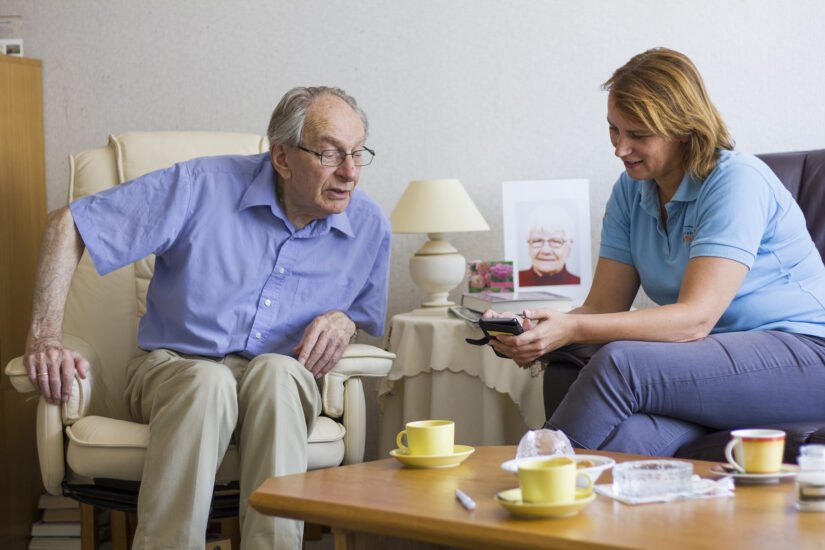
670 323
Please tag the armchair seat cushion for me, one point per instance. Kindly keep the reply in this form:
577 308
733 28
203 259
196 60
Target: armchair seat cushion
100 447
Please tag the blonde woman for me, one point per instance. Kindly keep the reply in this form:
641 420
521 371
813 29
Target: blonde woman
714 238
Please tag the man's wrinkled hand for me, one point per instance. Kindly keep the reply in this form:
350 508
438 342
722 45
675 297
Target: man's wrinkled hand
52 368
324 342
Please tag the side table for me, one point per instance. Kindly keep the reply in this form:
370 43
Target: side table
437 375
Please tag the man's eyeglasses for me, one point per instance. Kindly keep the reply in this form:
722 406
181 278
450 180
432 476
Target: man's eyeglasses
555 244
334 157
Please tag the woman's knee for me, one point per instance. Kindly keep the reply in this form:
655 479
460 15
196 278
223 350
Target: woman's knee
613 358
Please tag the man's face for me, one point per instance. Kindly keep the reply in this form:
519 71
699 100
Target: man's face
549 249
310 190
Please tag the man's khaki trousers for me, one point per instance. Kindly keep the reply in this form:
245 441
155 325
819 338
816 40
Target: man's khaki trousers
194 407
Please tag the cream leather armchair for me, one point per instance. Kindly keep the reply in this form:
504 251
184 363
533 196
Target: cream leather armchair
91 438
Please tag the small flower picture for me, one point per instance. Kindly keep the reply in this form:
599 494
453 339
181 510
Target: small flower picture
496 276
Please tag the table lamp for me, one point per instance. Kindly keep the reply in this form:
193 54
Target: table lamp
436 207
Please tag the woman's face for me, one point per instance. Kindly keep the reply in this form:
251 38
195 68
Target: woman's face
645 155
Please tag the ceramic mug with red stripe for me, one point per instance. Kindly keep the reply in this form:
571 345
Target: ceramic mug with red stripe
756 451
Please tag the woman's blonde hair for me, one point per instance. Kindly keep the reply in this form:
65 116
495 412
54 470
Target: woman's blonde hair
662 90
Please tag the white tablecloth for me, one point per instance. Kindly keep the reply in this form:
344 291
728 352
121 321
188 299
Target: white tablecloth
437 375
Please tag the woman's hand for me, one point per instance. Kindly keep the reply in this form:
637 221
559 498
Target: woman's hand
490 314
544 331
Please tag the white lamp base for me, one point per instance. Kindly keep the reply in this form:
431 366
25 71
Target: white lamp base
437 268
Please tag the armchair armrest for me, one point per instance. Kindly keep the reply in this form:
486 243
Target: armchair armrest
51 418
343 393
359 360
78 405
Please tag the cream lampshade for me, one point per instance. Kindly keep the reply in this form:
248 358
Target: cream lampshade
436 207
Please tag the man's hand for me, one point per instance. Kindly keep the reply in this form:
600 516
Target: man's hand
51 369
324 342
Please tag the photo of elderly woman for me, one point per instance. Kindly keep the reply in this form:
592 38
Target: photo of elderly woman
549 238
547 235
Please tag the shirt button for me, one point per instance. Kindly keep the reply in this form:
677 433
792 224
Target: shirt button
267 302
281 270
258 335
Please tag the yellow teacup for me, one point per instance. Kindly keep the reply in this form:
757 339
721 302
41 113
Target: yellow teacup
756 451
551 481
428 437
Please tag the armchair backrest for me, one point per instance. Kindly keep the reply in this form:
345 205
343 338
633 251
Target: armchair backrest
803 173
105 311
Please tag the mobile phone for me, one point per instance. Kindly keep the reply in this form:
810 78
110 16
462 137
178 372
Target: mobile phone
492 327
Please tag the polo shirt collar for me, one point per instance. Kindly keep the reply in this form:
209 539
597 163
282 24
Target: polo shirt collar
649 197
261 192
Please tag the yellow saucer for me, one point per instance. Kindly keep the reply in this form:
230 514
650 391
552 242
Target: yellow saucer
460 452
512 501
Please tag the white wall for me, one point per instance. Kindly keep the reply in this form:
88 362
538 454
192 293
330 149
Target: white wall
481 90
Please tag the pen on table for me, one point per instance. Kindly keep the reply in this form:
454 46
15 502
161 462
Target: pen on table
465 500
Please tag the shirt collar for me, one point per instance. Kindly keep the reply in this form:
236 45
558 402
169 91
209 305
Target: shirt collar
649 197
261 192
688 190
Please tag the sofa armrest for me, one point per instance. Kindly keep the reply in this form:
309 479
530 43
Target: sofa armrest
50 452
359 360
78 404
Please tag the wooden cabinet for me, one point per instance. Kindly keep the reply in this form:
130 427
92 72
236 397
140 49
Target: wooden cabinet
22 216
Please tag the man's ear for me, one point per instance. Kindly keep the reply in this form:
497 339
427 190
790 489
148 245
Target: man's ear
277 155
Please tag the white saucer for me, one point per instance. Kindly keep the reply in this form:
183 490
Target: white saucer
460 453
511 500
600 464
787 470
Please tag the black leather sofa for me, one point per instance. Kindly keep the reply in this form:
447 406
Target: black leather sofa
803 173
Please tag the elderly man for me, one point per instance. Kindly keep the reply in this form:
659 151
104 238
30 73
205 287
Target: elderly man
265 267
550 236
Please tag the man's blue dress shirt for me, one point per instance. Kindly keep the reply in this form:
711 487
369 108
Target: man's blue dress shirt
232 274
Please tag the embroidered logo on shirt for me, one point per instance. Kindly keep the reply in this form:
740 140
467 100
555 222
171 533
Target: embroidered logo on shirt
687 236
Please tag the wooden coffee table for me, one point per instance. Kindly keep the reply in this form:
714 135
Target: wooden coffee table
386 499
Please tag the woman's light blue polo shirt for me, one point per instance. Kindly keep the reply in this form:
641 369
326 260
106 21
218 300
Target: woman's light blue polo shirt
741 212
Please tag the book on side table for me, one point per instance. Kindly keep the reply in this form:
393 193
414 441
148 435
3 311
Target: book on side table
516 302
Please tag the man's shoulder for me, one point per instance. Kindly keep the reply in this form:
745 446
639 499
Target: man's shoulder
228 164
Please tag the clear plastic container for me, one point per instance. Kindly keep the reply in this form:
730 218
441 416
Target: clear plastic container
652 478
810 481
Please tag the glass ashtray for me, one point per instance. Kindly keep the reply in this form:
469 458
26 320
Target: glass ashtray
651 478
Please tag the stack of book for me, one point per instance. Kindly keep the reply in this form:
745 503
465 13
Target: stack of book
59 526
516 302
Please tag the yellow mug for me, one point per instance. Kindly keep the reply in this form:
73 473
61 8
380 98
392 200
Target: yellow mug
428 437
552 481
756 451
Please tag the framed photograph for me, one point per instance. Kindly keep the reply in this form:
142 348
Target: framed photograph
547 235
11 35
